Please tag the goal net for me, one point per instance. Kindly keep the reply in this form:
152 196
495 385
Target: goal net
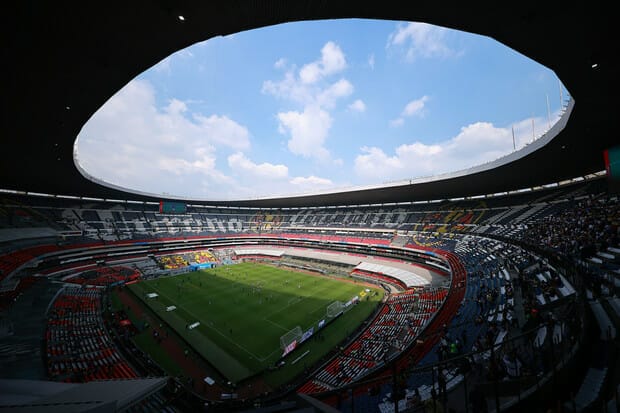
292 336
335 309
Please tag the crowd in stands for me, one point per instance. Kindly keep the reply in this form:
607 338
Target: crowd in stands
171 262
589 226
587 235
485 340
480 315
201 257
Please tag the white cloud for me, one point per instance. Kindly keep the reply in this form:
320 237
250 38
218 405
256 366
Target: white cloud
308 131
175 107
282 187
358 106
309 184
171 149
290 88
310 73
373 161
475 144
163 66
184 53
371 61
332 58
238 162
224 131
328 97
204 165
311 181
332 61
309 86
418 149
269 179
280 63
420 40
133 143
398 122
415 107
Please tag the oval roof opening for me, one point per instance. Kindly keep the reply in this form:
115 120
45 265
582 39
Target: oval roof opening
318 106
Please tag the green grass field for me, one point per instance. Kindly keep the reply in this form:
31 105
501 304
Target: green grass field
244 309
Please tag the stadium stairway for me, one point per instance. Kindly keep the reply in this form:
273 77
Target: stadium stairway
607 328
399 241
614 305
20 353
589 391
613 404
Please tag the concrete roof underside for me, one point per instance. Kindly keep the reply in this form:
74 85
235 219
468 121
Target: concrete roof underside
63 60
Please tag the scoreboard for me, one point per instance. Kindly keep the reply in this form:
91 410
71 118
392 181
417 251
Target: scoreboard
169 207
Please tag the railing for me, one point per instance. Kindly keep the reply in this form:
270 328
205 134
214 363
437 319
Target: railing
482 377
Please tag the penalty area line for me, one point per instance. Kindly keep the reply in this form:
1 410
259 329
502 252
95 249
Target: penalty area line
276 324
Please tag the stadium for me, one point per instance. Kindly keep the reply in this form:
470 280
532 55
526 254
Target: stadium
493 288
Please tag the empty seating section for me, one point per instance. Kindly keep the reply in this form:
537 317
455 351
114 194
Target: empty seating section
408 278
375 277
12 261
16 214
258 253
104 276
7 296
78 348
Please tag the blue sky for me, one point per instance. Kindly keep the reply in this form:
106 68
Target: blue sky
313 106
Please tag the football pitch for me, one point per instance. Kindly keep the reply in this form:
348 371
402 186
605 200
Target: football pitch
244 309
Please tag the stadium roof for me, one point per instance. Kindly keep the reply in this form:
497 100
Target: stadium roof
63 60
34 396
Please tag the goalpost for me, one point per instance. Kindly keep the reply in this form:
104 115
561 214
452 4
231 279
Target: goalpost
293 336
335 309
